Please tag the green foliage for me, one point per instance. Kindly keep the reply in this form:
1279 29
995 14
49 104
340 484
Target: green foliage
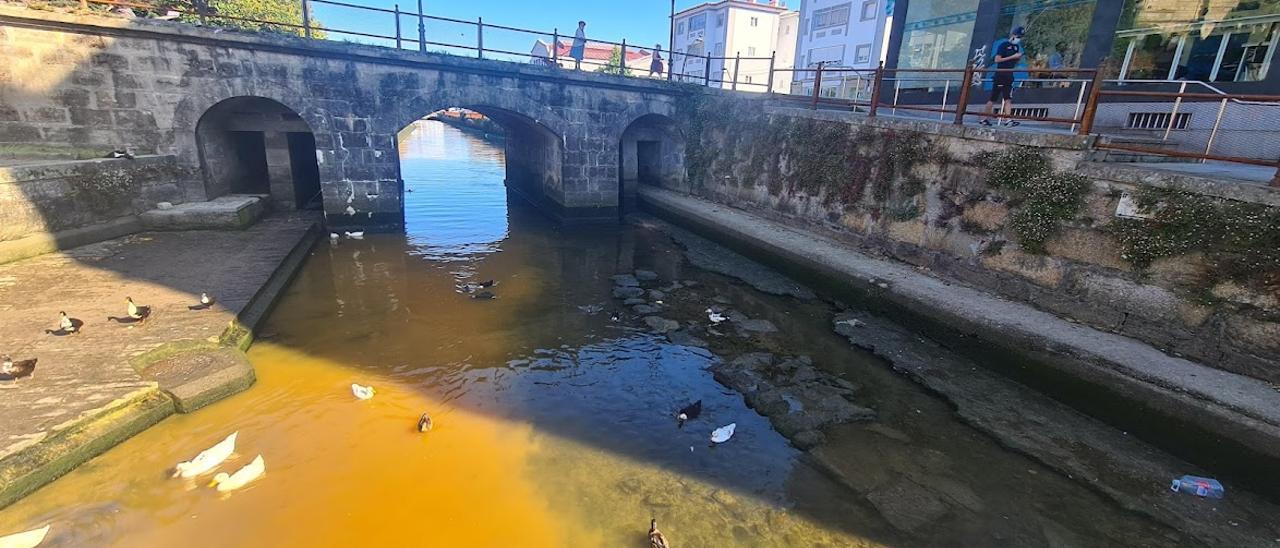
1240 241
1045 198
615 65
288 12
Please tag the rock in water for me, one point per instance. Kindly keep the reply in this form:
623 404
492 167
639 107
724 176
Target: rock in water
660 324
625 280
644 309
646 275
627 292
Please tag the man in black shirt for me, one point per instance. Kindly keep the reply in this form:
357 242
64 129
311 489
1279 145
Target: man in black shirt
1008 53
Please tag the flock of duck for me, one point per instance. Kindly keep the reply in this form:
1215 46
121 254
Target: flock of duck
11 370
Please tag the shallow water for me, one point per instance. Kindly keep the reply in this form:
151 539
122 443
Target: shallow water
553 424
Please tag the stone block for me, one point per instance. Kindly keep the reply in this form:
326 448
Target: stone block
111 61
134 119
227 212
985 215
1041 270
90 117
1185 271
48 115
1088 246
12 132
73 97
1237 294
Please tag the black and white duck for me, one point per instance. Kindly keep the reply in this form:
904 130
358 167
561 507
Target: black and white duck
66 326
11 371
136 314
689 412
424 423
205 302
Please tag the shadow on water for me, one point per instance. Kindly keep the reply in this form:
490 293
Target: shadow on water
591 400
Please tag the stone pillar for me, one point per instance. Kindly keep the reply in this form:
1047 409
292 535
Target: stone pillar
360 179
279 170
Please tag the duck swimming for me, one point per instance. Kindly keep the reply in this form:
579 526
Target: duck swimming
205 302
484 296
362 392
11 371
472 287
242 477
25 539
136 314
207 460
656 538
689 412
424 423
66 326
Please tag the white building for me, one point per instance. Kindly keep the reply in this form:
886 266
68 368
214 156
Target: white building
729 29
840 34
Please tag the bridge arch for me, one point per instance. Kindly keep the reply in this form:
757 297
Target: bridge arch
255 145
651 151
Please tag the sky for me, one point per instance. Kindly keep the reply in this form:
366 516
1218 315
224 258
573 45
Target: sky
643 22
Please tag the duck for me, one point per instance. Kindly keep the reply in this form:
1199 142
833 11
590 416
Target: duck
656 538
205 302
472 287
358 235
207 460
484 295
689 412
424 423
362 392
66 326
242 477
11 371
120 153
25 539
722 434
137 314
715 317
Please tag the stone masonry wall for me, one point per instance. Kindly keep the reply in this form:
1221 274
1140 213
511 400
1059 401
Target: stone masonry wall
58 196
926 194
83 81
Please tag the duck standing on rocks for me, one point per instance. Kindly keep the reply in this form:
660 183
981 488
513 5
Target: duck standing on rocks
689 412
424 423
656 538
205 302
137 314
11 371
66 326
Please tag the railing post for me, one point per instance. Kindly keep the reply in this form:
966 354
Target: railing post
306 18
706 70
422 29
1217 123
622 60
480 38
202 9
876 82
555 46
737 60
396 7
817 86
962 103
1091 105
1173 115
769 86
1275 181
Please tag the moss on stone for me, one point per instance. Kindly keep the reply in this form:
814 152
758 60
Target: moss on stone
1044 198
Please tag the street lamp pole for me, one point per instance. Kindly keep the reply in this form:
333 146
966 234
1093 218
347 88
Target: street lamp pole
671 41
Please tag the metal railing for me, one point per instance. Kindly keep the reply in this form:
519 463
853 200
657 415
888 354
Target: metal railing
872 92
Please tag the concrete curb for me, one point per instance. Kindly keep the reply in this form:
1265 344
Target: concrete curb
1194 411
39 244
35 466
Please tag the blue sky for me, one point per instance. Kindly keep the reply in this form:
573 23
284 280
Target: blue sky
642 22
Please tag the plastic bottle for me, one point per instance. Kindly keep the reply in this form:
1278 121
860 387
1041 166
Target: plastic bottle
1198 486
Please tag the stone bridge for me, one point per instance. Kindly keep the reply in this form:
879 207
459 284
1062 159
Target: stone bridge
295 119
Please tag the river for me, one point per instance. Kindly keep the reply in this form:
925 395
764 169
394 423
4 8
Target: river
553 424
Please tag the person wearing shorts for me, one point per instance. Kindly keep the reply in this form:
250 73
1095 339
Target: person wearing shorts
1008 53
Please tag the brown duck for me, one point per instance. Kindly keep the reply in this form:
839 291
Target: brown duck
656 538
11 371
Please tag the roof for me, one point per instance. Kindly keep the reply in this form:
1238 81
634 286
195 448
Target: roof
599 51
746 4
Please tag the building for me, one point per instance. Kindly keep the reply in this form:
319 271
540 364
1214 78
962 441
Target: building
785 56
840 34
739 36
595 57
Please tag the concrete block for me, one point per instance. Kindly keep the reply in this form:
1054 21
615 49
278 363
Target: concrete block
227 212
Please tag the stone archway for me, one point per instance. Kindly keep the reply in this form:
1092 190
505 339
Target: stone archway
651 151
254 145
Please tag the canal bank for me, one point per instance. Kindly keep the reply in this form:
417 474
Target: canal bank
110 381
1224 423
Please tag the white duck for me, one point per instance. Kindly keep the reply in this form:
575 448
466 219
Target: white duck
208 459
230 482
722 434
714 316
359 235
26 539
362 392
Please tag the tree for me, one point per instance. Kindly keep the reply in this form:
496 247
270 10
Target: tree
288 12
615 64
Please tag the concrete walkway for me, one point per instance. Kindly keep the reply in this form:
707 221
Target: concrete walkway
1238 408
84 377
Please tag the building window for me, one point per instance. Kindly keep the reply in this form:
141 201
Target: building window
937 35
869 10
720 19
751 52
718 51
1234 42
834 16
862 53
697 22
1056 31
680 28
755 21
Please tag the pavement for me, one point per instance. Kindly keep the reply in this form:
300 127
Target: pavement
97 372
1218 170
1241 409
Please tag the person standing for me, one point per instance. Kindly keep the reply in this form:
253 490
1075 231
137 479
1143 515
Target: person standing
1008 53
579 49
655 65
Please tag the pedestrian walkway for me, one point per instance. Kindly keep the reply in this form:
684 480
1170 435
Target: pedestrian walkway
80 377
